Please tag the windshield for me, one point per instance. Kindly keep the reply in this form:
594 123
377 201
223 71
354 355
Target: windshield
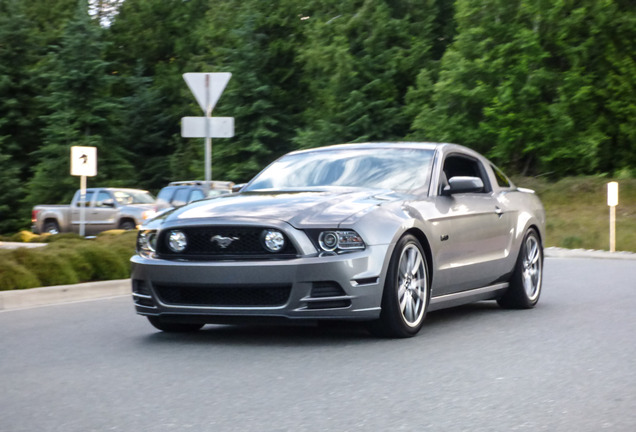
399 169
132 197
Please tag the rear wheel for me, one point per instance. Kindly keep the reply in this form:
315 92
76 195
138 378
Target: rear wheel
526 281
406 291
173 327
51 227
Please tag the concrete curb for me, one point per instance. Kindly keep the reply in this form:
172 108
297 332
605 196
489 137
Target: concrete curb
554 252
27 298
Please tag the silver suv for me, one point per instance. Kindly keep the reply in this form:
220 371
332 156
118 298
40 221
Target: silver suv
180 193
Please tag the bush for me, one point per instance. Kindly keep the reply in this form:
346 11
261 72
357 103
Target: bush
59 237
121 242
46 265
23 237
104 262
67 259
68 250
15 276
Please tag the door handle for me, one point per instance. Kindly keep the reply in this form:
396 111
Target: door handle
499 211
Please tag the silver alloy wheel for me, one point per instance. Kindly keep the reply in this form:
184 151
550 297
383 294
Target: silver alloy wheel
412 285
532 268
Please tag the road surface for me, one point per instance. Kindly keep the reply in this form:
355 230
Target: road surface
567 365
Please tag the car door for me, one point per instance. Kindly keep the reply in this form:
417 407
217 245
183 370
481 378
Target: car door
473 230
103 214
76 211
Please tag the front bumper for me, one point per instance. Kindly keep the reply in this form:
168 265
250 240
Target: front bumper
347 286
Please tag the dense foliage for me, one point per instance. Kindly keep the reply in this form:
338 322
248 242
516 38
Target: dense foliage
542 87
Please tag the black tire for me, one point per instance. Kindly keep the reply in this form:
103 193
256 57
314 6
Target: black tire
406 292
174 327
527 279
127 225
51 227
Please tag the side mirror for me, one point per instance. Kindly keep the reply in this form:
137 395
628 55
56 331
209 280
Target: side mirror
107 203
462 184
238 187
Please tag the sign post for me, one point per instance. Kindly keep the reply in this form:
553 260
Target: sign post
83 164
612 202
207 89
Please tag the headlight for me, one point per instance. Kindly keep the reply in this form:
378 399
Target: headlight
340 240
147 241
328 240
177 241
148 214
273 240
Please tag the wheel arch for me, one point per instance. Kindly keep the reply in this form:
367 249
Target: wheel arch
125 219
421 237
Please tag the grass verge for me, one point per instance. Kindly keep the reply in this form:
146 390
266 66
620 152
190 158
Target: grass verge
577 213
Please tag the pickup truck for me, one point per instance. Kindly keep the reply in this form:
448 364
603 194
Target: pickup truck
105 209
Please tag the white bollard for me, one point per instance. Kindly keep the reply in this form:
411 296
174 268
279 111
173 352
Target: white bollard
612 202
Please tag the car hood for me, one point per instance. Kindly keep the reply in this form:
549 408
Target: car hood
299 208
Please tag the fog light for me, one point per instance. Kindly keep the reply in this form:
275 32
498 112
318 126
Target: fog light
273 240
177 241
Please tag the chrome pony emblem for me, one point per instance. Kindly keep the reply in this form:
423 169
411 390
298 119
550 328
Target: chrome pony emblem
223 242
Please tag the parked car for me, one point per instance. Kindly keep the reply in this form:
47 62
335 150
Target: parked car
180 193
379 232
105 209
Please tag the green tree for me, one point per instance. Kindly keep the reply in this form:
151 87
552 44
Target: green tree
257 42
151 43
528 83
78 112
359 61
142 126
18 53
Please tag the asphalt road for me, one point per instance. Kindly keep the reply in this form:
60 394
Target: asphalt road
567 365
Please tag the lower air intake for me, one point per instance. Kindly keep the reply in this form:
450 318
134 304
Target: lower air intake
224 296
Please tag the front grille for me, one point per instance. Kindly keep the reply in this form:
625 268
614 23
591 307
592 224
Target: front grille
223 242
225 296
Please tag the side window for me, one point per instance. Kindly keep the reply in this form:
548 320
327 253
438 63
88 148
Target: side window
502 180
87 199
196 195
103 196
180 197
463 166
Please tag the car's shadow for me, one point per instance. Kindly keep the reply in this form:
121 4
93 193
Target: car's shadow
329 332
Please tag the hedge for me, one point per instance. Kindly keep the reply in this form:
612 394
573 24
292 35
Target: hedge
66 259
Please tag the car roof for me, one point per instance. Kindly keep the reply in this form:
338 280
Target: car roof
113 189
377 145
444 148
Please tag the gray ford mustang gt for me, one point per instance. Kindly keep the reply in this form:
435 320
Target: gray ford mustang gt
380 232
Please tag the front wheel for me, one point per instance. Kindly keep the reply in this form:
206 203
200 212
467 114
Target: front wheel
127 225
173 327
406 291
526 281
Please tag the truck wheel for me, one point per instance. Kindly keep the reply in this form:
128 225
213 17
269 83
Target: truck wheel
51 227
127 225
